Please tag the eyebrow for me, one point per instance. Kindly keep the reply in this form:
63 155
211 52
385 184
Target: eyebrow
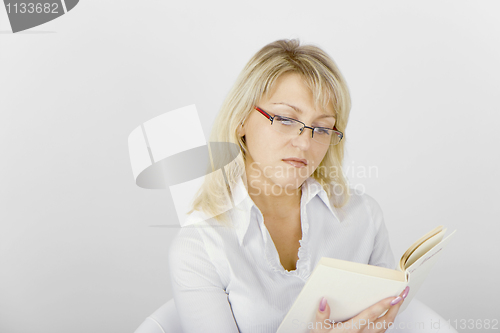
300 111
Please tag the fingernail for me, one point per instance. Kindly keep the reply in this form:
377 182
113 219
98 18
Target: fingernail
322 304
407 290
396 300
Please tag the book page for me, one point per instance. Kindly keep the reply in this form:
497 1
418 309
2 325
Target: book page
424 247
411 249
420 269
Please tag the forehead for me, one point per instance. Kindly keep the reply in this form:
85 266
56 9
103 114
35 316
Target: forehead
325 114
294 91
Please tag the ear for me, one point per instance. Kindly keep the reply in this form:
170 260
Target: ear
241 130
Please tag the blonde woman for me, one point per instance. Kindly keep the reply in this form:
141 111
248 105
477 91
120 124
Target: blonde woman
241 269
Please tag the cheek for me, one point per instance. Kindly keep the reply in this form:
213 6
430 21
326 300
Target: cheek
263 145
254 145
318 156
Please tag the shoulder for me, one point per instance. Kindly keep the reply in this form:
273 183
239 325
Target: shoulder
186 244
360 205
200 237
189 240
371 205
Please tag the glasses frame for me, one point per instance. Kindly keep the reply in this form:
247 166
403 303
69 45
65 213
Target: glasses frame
271 118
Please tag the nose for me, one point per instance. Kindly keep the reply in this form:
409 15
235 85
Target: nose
303 140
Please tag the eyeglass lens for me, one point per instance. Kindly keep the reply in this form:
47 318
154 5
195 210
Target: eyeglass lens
293 127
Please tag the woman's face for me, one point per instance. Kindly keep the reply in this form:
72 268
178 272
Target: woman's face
272 160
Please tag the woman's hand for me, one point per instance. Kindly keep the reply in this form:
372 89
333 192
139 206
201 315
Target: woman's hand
366 321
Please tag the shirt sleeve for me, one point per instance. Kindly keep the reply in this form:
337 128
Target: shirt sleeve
382 254
199 294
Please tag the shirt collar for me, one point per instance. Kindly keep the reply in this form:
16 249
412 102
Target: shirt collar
313 188
242 213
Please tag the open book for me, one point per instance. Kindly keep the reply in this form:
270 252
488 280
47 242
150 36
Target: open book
351 287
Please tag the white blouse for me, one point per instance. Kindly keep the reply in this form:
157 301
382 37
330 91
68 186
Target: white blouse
227 280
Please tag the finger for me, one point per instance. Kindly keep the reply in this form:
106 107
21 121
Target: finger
322 323
372 314
387 320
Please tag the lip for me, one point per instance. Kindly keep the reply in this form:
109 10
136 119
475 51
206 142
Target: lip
296 162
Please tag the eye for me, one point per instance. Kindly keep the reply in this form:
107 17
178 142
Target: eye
285 121
322 131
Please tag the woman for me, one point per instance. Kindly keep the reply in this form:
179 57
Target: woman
241 269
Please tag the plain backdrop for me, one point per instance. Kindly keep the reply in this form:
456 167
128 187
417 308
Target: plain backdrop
80 246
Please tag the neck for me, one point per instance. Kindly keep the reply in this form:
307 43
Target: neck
273 201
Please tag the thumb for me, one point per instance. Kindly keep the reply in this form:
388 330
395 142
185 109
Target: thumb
322 323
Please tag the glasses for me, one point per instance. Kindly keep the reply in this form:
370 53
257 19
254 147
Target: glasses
289 126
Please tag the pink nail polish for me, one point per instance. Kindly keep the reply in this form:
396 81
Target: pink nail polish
396 300
407 290
322 304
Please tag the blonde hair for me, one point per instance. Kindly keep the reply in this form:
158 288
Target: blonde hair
257 79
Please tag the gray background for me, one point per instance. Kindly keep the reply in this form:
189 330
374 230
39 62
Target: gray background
77 250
